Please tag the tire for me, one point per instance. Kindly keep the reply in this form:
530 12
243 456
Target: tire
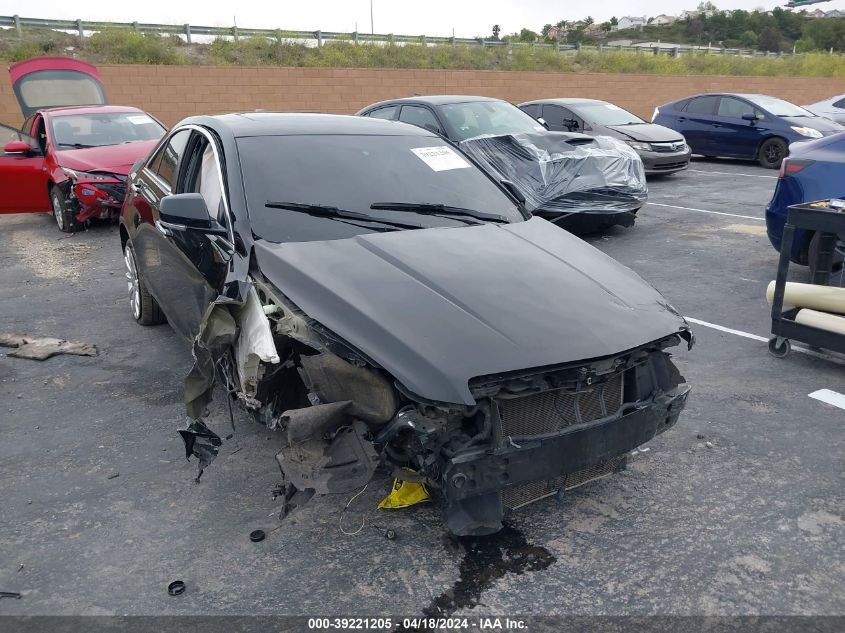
837 272
145 309
63 216
772 152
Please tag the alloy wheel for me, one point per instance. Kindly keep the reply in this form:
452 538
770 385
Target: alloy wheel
132 283
58 212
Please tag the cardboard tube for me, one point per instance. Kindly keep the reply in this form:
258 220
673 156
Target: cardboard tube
821 320
824 298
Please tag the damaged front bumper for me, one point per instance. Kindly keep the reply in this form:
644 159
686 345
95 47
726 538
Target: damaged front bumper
474 481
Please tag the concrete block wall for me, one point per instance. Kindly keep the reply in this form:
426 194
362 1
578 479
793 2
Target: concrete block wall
173 92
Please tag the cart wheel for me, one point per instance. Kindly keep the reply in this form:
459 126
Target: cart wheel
779 351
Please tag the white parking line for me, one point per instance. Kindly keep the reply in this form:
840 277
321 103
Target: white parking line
733 215
728 173
722 328
830 397
762 339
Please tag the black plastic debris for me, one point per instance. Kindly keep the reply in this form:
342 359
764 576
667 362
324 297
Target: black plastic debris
176 588
202 442
256 536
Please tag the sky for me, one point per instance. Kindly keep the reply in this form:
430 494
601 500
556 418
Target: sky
468 18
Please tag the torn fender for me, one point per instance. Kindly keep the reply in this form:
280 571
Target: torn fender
254 344
218 333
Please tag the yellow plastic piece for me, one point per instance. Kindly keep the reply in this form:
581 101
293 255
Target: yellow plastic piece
404 494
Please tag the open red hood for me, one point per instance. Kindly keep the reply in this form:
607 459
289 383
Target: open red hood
117 159
48 82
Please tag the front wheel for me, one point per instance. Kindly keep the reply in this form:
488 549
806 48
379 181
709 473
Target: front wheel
63 215
772 153
145 308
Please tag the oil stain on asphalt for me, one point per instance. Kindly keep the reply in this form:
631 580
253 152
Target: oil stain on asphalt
485 560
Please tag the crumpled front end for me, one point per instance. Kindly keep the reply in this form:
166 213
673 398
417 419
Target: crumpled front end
557 431
530 434
94 196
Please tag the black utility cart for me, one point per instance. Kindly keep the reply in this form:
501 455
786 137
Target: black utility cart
826 217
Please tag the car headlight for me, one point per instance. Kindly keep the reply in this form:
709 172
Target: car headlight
807 131
75 174
639 146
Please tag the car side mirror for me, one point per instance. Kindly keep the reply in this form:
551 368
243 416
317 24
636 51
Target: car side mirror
749 116
542 122
17 147
188 211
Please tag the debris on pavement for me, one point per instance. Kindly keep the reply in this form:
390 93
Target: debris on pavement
43 347
404 494
10 594
177 587
113 476
256 536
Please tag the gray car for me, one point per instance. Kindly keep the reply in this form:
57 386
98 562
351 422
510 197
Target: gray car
663 151
833 108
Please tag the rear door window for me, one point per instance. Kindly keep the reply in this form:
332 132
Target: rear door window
702 105
421 117
560 118
532 109
388 112
166 163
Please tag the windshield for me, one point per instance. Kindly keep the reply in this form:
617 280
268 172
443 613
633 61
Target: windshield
779 107
607 114
467 120
351 173
96 130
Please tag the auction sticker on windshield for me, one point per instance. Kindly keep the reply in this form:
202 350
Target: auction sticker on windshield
139 119
440 158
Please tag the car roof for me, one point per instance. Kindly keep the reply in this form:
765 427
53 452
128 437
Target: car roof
434 100
85 109
241 124
564 101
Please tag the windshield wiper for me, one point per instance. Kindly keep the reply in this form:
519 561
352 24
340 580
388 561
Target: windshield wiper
326 211
427 208
76 145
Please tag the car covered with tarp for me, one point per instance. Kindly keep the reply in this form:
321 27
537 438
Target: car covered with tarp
580 182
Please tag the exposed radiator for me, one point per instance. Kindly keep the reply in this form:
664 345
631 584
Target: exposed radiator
552 411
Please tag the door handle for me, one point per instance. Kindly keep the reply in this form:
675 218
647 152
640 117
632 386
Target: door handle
682 119
167 228
716 124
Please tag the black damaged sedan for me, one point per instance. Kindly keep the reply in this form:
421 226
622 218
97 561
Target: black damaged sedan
364 289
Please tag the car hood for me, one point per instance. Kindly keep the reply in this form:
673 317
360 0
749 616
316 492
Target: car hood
437 307
823 125
647 132
116 159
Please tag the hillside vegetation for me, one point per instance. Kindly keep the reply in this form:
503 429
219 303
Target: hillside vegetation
129 47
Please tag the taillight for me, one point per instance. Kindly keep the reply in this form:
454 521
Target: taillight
791 166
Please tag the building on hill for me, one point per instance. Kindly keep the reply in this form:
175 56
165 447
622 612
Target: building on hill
630 22
662 20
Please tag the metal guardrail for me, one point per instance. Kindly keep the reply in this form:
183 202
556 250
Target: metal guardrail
235 32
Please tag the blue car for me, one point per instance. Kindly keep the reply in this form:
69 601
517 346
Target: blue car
813 171
746 126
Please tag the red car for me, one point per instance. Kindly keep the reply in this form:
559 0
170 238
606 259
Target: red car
73 153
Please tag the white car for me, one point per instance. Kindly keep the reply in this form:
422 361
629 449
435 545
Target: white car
833 108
